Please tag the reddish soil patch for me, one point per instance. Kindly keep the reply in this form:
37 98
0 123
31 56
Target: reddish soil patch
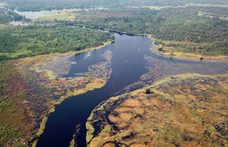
15 85
29 126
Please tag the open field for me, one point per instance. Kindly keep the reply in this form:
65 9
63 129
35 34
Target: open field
2 4
184 110
66 15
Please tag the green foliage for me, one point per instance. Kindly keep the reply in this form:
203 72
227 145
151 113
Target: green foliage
198 34
6 134
22 95
13 111
32 40
160 49
37 5
6 16
33 138
148 90
207 133
5 102
2 86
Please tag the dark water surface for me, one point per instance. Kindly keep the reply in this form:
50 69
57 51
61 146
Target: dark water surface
128 64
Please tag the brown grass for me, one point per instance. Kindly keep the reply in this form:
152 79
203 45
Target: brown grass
176 115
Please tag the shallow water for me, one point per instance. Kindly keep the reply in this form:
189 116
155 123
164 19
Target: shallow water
131 58
32 15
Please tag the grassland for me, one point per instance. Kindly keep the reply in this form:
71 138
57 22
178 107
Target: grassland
183 110
67 15
59 15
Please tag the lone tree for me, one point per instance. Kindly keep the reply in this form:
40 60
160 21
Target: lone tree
148 91
201 59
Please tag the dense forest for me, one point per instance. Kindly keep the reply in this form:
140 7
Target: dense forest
6 16
37 5
209 35
33 40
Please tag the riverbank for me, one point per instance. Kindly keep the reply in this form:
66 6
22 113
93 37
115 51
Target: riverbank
170 51
179 110
55 90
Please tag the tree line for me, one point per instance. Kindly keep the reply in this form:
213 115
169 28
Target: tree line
33 40
38 5
179 25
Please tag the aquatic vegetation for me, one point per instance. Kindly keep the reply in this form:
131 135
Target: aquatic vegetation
161 69
185 110
73 142
42 75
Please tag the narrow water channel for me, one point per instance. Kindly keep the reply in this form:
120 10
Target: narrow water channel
131 58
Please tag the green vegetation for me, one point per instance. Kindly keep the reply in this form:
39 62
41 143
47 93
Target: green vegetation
4 103
148 90
37 5
6 16
193 29
50 92
5 133
180 28
31 41
33 138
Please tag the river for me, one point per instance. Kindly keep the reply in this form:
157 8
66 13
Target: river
131 58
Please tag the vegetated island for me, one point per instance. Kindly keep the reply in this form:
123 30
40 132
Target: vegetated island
189 110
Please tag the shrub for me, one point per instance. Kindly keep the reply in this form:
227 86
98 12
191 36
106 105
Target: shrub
160 49
147 90
32 139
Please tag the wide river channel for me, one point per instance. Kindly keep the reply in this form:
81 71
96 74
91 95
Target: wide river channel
131 58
